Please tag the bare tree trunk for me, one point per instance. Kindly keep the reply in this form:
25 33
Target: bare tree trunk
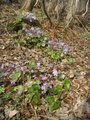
76 7
63 9
28 5
70 12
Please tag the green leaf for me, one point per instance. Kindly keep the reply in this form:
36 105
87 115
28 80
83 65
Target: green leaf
33 93
19 18
29 84
35 99
53 103
45 38
31 64
67 84
55 55
54 106
30 96
50 99
60 77
34 88
19 87
15 75
2 89
50 52
57 90
69 61
7 96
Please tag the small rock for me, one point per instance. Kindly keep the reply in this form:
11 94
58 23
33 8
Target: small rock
71 74
12 113
83 73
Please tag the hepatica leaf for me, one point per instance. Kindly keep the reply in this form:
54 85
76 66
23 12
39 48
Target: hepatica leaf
57 89
55 55
67 84
7 96
15 75
54 106
53 103
69 61
50 99
61 77
31 65
33 93
2 89
34 88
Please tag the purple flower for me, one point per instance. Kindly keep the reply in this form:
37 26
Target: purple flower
23 28
9 69
30 20
43 77
55 72
29 33
38 64
38 32
44 86
22 68
55 47
50 86
61 43
62 76
65 50
30 16
49 42
2 66
32 71
5 74
13 82
34 17
20 92
62 54
43 44
13 66
34 76
49 75
7 64
26 30
32 28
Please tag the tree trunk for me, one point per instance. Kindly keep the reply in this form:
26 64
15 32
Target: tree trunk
64 10
28 5
70 12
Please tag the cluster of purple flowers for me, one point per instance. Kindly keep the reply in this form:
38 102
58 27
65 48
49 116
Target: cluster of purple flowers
44 86
30 16
55 72
33 31
7 68
56 45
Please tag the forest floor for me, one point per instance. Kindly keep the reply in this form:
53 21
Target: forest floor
76 105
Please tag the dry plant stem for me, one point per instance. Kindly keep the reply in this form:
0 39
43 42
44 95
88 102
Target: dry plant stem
87 7
49 118
81 24
34 111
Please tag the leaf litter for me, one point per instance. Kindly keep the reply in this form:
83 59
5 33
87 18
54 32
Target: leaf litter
42 70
